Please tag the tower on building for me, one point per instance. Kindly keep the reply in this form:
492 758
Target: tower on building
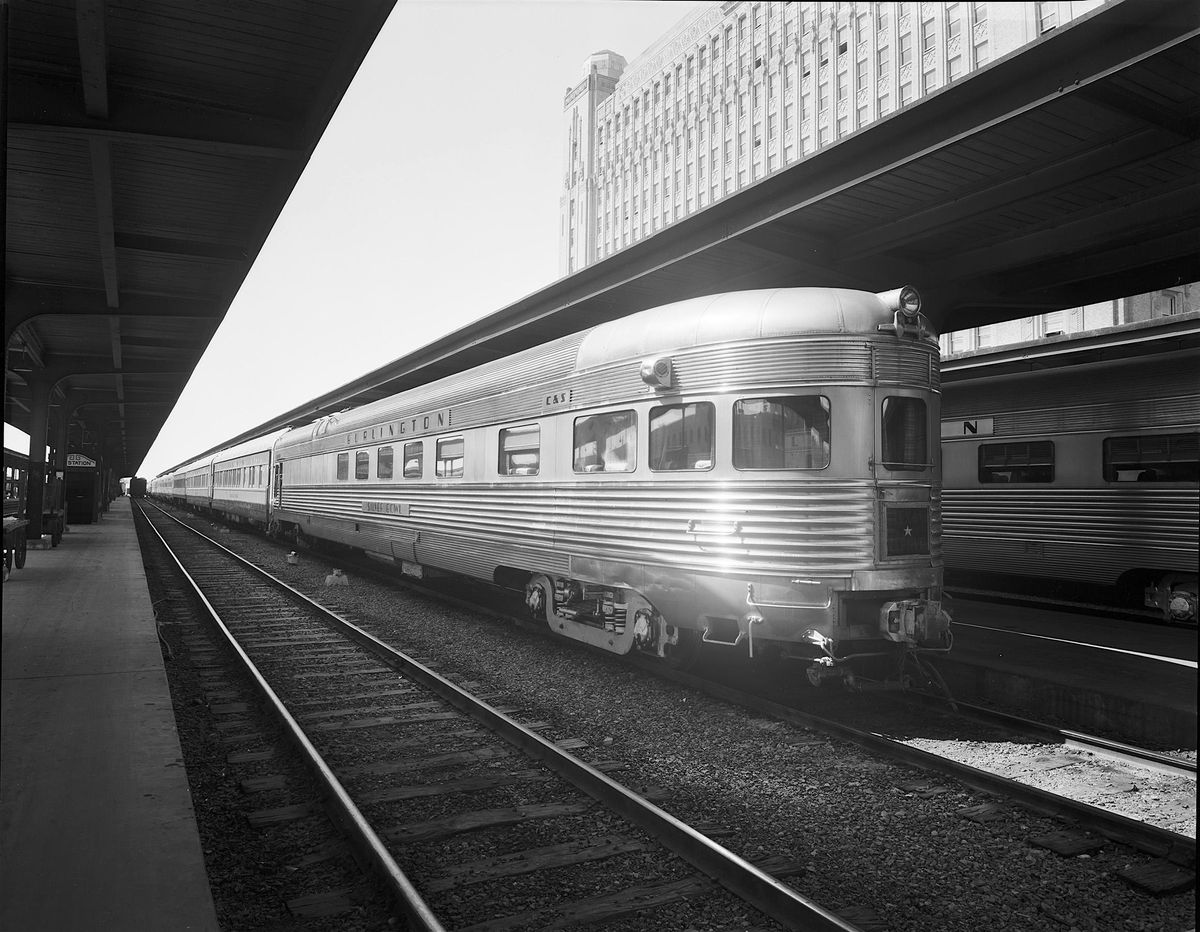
578 203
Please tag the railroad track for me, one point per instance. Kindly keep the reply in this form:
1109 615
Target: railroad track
1083 817
441 792
1065 737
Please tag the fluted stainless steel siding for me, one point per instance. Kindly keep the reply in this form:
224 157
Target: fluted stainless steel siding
1090 535
824 527
1129 414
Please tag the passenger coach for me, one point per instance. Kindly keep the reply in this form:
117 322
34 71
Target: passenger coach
1080 472
756 468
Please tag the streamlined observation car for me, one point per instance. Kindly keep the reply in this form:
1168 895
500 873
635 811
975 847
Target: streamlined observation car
756 468
1079 479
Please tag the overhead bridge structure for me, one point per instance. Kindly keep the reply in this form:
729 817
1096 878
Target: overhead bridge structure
1063 174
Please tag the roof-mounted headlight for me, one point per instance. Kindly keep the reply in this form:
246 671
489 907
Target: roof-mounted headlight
905 300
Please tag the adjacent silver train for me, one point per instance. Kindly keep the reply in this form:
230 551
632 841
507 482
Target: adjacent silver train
755 469
1086 475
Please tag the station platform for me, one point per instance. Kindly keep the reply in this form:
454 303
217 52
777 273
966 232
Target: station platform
97 829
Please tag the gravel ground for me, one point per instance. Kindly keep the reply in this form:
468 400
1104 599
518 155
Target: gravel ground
870 847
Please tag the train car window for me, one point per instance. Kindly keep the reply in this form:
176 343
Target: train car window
362 465
606 442
449 463
1152 458
905 434
681 436
1016 462
343 466
520 451
383 463
413 459
781 433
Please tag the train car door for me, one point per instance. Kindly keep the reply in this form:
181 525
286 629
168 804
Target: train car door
277 485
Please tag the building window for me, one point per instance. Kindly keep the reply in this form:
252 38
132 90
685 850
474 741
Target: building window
520 451
953 21
450 458
1047 17
383 463
781 433
605 442
905 50
928 35
1152 458
1016 462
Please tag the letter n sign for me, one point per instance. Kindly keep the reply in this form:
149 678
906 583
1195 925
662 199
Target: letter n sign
967 428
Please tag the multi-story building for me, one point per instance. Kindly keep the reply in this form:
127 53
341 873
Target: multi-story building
741 89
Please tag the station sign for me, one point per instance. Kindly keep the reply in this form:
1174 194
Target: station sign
966 428
79 461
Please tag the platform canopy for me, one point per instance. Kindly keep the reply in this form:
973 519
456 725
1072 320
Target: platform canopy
151 147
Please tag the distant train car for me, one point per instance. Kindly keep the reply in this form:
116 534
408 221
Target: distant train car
754 468
137 487
192 484
161 487
1076 471
240 480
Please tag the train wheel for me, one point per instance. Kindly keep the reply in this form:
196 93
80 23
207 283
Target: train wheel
21 545
538 600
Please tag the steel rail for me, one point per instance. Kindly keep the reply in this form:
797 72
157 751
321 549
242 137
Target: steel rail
346 814
1147 838
1151 839
1115 750
767 894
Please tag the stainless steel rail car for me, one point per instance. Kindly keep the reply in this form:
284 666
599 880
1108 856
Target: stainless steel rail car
241 478
1085 475
191 485
755 468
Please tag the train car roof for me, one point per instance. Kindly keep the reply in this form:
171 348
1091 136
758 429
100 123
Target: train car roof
712 319
248 447
731 317
203 463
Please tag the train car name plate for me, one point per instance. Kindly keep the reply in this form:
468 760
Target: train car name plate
386 508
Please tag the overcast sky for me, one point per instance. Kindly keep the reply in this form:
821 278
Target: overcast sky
431 201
